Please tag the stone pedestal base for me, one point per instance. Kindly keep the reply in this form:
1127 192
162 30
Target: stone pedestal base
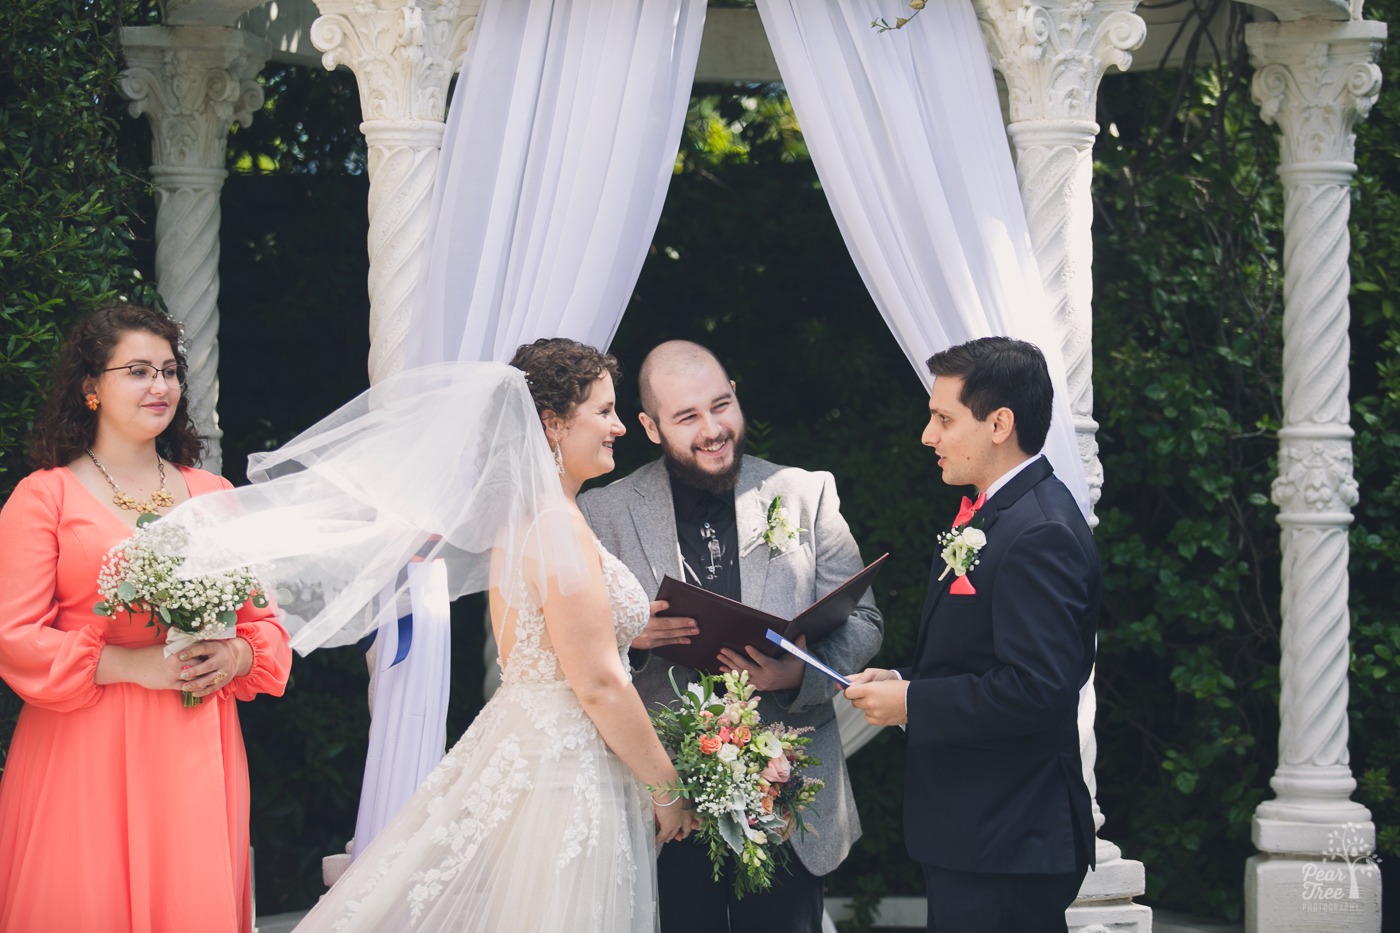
333 866
1115 879
1105 903
1302 894
1108 917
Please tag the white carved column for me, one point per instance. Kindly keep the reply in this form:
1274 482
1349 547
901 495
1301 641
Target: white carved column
404 55
1053 54
1314 869
192 83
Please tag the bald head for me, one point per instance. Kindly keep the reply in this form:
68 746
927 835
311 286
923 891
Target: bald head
675 361
690 409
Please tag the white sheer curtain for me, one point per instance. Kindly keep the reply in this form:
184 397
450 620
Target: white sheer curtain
408 705
561 139
560 144
906 135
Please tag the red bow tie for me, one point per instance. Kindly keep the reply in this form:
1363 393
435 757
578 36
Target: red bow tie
968 509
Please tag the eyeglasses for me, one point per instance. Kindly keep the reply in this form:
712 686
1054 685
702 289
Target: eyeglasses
144 374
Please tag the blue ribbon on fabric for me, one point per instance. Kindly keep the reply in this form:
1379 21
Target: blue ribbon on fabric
405 639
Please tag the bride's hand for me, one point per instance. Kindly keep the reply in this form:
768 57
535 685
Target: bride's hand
674 821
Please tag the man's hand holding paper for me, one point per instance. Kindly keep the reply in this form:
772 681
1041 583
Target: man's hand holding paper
881 696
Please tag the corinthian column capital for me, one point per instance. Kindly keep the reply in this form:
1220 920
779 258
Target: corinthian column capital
1053 52
404 53
192 83
1315 81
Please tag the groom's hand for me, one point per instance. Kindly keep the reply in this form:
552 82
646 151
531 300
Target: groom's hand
881 696
665 630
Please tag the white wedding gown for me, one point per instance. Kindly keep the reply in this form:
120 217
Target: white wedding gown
530 824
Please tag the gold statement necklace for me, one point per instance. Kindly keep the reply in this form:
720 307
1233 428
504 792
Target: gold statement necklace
160 499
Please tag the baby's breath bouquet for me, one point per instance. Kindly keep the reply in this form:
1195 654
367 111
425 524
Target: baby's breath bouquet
140 576
742 777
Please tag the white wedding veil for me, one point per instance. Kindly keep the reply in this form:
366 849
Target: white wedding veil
444 461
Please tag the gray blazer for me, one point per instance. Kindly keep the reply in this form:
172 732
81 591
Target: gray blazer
635 519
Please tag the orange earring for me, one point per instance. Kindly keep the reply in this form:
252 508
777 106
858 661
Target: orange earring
91 400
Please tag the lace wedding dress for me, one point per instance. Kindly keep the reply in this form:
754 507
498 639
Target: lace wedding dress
530 824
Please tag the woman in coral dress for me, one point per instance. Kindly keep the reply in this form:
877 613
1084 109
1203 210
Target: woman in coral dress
120 808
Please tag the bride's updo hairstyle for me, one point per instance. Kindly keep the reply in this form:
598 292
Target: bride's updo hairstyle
560 372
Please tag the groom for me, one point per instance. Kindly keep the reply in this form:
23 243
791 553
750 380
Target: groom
697 514
996 810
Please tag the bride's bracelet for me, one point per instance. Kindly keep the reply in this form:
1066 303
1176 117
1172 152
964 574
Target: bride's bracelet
675 798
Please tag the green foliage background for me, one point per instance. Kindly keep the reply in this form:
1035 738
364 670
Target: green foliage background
65 245
1188 317
1188 306
65 195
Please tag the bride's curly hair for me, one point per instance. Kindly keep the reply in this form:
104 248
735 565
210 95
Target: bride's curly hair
560 372
65 427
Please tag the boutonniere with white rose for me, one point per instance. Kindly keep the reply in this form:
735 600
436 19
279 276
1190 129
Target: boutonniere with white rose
780 533
961 547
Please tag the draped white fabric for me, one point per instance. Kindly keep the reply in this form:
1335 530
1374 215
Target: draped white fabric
906 135
559 147
408 704
561 139
411 741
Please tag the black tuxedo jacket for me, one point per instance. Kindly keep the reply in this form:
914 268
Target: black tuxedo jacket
994 781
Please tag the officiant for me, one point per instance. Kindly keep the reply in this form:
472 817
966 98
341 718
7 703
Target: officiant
767 535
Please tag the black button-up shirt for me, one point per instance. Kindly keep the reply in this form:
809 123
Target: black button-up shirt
708 535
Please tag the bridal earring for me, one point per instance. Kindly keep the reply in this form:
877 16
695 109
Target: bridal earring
558 457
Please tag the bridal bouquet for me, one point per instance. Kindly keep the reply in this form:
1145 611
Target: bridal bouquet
140 576
741 776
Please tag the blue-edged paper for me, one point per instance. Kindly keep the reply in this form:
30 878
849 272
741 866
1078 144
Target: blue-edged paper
806 657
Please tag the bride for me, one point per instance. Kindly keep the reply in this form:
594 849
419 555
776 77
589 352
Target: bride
539 819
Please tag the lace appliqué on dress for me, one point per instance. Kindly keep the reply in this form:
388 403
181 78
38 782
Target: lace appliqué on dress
530 790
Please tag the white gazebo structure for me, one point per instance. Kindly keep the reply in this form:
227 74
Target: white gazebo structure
1316 75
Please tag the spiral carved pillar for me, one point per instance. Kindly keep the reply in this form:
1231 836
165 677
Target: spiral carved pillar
1315 867
1054 165
192 83
403 158
404 56
1053 54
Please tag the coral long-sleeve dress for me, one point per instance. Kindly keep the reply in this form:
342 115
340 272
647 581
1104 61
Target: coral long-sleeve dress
120 810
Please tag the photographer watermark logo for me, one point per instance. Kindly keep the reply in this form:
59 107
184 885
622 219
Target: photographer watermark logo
1334 884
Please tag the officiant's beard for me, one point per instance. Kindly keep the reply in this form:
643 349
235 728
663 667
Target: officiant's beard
688 473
